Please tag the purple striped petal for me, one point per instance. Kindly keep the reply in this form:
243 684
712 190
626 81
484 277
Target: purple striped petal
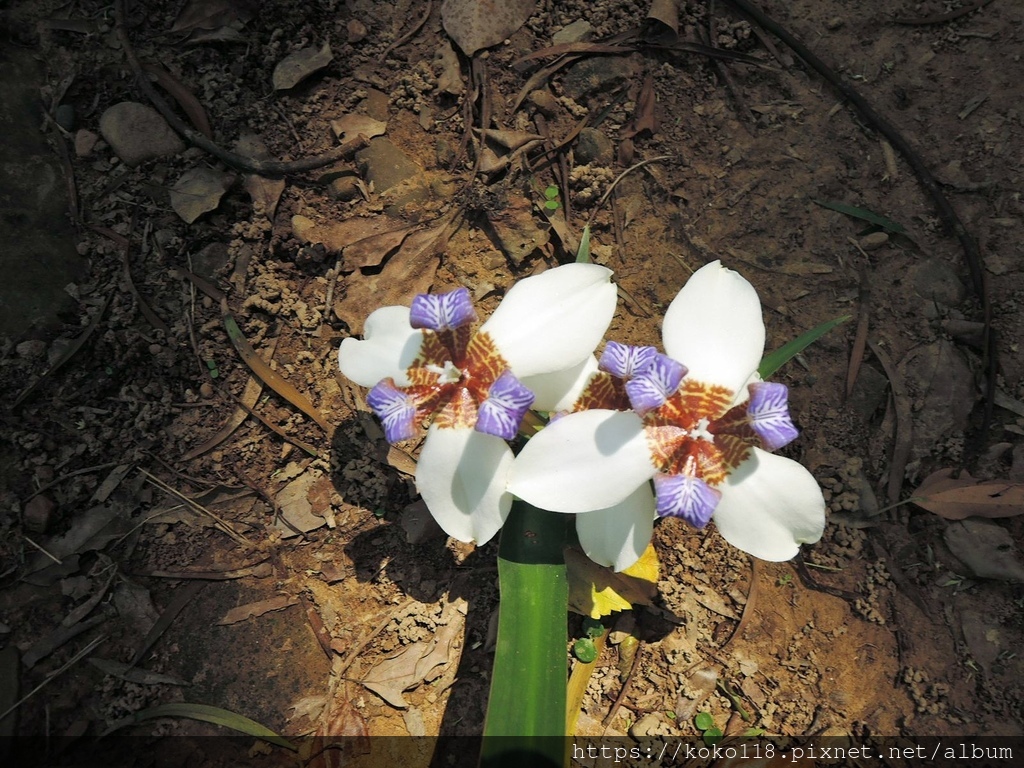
624 360
659 379
442 311
394 408
687 497
768 415
503 410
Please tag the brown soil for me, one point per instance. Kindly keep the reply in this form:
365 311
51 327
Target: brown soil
880 631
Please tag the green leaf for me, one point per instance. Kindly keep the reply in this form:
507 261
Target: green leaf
585 650
863 214
593 627
703 721
551 192
551 205
583 252
527 703
712 736
771 363
207 714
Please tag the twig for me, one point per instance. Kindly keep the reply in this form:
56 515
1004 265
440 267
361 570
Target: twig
625 688
904 424
268 168
619 178
860 339
412 31
55 559
224 525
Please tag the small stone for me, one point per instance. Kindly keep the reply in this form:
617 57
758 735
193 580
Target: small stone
986 548
85 142
65 117
137 133
155 349
384 164
344 188
599 74
206 390
38 513
936 281
593 147
836 22
874 241
545 103
356 31
578 32
31 349
648 725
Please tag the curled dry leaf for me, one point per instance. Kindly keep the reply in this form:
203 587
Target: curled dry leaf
597 591
478 24
296 67
199 191
955 498
211 15
666 12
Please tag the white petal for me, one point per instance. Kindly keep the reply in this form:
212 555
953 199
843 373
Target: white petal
553 320
770 505
583 462
558 391
714 327
388 348
461 475
618 536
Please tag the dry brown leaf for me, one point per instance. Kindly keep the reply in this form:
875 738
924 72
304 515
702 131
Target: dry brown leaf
408 272
363 242
478 24
596 591
955 498
413 665
349 127
296 67
198 191
260 607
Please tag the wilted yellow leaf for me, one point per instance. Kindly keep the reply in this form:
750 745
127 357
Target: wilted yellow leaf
596 591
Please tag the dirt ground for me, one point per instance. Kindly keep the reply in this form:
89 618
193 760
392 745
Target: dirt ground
162 543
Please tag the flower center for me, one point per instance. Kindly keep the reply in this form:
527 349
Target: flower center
695 438
459 379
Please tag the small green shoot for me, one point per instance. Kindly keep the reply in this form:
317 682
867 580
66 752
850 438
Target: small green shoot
551 203
212 367
711 734
585 650
863 214
772 362
583 252
785 580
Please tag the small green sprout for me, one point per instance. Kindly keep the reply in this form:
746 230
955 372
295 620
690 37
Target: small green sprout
784 580
711 734
551 199
212 367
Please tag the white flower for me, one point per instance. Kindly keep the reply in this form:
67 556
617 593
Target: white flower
425 365
697 424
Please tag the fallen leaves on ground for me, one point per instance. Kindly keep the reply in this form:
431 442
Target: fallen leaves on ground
955 498
478 24
418 662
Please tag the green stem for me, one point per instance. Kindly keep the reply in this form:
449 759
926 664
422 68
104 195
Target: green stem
527 706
